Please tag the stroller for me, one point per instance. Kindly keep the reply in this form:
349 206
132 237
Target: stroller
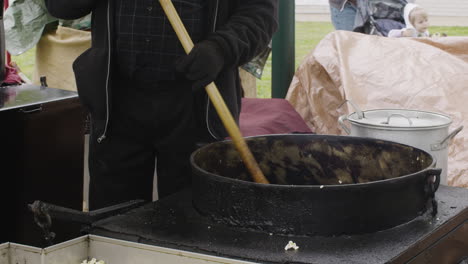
378 17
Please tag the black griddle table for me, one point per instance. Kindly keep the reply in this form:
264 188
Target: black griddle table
174 223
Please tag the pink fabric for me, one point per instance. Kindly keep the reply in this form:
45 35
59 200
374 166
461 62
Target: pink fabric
11 76
270 116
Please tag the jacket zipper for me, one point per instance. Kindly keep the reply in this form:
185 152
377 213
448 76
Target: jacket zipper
208 99
104 134
216 16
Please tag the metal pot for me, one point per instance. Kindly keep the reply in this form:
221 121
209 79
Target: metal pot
320 185
425 130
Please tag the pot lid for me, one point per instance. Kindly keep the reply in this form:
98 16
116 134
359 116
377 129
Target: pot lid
400 118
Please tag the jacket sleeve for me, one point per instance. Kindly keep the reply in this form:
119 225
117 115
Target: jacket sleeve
69 9
395 33
248 31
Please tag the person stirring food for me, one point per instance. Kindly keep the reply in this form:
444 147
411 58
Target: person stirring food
145 97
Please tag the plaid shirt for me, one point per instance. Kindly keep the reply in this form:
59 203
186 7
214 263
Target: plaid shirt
146 44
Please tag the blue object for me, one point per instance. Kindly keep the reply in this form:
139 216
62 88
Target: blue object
343 19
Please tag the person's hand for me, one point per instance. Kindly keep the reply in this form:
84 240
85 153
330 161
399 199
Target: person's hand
409 32
202 65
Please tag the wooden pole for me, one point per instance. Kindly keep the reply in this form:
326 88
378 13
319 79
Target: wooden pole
216 98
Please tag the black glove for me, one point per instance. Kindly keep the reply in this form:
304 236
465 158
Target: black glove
202 65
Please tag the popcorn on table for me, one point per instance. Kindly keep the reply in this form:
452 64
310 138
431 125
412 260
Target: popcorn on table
291 245
93 261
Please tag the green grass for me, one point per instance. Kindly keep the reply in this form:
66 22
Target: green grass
450 31
308 35
26 62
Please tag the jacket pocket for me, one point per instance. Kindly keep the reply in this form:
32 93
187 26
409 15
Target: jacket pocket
91 73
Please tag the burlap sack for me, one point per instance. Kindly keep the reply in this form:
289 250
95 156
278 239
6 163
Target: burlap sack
55 54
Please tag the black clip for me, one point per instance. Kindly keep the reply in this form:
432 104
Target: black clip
43 80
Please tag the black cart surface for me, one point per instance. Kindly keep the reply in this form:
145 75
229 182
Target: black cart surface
174 223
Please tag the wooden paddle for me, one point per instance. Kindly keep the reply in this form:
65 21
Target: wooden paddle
216 98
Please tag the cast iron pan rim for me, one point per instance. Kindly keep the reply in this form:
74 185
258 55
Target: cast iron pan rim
217 177
331 187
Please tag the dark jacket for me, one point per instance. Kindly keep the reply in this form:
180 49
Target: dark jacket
242 28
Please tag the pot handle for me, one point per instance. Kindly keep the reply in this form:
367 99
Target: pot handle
342 120
359 112
444 143
431 185
393 115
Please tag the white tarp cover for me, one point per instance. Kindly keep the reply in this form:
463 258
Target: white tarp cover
427 74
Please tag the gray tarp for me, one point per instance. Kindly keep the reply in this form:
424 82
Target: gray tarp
25 21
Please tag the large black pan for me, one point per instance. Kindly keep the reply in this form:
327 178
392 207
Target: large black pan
320 185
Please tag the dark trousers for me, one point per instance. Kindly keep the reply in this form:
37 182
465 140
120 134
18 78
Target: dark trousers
149 122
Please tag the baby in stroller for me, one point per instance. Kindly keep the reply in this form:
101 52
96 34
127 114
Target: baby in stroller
417 23
378 17
392 18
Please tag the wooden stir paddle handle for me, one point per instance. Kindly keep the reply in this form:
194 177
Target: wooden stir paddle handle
216 98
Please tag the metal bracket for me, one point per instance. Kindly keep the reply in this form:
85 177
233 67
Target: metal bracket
44 213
